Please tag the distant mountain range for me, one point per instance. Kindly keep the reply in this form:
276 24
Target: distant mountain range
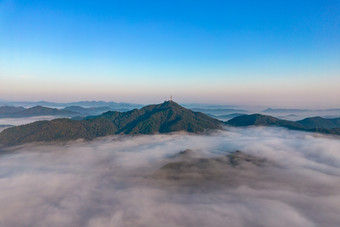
86 108
163 118
271 110
16 112
69 111
112 105
219 111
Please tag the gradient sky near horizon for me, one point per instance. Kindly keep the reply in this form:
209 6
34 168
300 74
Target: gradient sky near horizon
274 53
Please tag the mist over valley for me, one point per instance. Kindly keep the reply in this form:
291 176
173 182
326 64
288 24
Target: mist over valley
239 177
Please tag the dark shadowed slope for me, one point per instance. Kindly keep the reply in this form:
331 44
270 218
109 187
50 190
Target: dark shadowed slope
162 118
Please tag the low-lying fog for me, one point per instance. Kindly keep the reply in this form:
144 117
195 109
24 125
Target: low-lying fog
25 120
112 182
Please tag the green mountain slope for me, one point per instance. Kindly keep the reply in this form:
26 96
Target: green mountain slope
162 118
319 122
315 124
263 120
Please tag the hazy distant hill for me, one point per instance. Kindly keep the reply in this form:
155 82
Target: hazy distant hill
219 111
271 110
314 124
9 110
88 110
229 116
112 105
162 118
15 112
70 111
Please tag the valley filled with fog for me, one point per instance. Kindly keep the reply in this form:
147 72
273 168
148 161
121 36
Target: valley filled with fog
25 120
120 181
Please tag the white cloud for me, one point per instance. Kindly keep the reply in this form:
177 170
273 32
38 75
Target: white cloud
107 182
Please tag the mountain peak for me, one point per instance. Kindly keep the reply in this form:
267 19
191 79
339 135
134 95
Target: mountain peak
162 118
170 103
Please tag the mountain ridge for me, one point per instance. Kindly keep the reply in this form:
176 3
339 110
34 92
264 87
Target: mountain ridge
152 119
19 112
162 118
312 124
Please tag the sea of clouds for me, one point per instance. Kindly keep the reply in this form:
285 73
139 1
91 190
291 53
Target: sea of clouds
24 120
108 182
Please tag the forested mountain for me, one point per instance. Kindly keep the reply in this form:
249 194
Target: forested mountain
162 118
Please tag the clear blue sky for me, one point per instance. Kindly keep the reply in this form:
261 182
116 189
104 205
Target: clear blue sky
230 52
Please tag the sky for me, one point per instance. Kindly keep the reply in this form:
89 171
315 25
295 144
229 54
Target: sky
273 53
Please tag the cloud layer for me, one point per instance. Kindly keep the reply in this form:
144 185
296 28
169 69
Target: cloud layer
24 120
108 182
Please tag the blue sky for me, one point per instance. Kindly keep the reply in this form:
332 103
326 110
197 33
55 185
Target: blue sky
283 53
